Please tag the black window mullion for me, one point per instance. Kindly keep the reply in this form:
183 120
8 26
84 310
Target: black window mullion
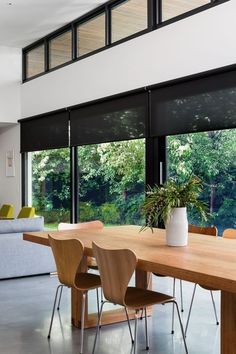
108 25
158 11
74 41
152 14
46 55
24 67
73 184
24 179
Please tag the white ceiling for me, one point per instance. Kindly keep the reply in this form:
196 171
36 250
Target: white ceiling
25 21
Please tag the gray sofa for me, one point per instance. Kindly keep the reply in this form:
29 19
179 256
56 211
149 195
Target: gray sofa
22 258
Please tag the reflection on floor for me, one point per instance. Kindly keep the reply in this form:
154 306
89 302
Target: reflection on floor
25 309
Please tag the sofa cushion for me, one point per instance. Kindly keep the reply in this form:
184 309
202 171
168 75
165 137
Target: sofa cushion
21 225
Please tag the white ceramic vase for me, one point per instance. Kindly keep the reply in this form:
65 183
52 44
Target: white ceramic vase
177 228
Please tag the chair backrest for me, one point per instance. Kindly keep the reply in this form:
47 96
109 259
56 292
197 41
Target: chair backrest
208 230
229 233
7 211
96 224
116 268
68 254
26 212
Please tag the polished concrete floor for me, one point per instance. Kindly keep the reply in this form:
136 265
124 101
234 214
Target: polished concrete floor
25 309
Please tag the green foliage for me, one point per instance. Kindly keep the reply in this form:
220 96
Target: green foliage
160 200
110 213
55 216
113 175
87 211
212 157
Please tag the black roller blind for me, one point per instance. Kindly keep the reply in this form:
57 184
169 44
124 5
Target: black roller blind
47 131
116 119
198 105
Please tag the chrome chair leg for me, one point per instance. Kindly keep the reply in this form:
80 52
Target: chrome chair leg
136 331
190 309
59 301
98 326
146 330
127 316
97 301
53 310
181 295
82 322
173 309
214 307
181 326
101 295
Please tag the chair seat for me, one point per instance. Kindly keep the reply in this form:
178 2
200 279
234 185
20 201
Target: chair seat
207 287
138 298
87 281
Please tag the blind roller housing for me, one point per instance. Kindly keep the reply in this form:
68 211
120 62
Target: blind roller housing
117 119
198 105
49 131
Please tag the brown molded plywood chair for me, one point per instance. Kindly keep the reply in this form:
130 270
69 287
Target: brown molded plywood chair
91 262
116 268
229 233
211 231
68 255
95 224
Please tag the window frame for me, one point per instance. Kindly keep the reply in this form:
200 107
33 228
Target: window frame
50 39
85 20
24 61
154 22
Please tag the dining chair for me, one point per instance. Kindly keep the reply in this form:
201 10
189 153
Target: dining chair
26 212
7 211
91 261
95 224
229 233
68 254
116 267
210 231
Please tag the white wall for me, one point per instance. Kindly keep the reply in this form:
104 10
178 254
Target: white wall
10 79
10 187
198 43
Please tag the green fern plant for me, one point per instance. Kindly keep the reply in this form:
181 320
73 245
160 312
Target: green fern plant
160 200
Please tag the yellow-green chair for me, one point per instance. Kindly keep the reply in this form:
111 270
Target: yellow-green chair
7 211
26 212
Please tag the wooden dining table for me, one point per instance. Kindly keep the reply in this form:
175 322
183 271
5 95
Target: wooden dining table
208 260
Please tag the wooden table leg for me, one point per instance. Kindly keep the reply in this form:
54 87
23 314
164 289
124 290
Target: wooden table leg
142 280
228 323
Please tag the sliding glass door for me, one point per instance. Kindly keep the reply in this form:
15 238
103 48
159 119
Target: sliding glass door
212 157
111 182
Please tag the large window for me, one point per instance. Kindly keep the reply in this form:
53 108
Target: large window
60 49
212 157
111 182
49 185
35 63
104 171
128 18
91 35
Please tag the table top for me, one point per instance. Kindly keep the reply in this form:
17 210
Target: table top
207 260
